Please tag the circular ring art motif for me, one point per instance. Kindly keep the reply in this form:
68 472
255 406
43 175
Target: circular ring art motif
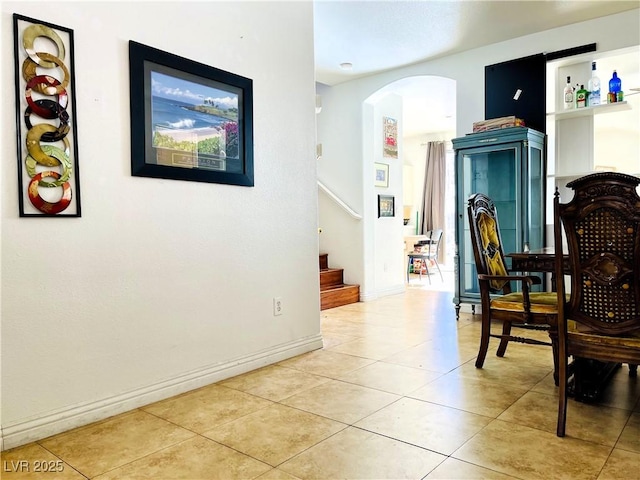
44 73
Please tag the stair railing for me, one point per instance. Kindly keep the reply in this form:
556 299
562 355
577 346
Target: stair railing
337 199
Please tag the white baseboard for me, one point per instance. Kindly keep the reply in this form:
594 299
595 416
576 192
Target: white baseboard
52 423
370 296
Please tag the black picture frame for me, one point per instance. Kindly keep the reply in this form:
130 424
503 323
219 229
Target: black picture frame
386 206
46 126
189 121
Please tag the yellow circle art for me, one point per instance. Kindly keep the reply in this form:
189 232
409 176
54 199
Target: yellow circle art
34 31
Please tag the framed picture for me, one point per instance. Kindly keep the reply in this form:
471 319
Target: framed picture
386 206
390 140
381 174
189 121
48 177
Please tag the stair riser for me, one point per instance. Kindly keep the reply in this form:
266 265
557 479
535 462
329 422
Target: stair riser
324 261
331 278
338 297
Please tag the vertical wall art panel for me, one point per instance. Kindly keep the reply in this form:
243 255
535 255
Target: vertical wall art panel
48 180
390 145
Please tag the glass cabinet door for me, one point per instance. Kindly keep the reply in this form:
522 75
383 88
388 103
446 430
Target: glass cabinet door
536 188
496 173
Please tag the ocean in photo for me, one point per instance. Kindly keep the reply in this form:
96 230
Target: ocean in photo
173 114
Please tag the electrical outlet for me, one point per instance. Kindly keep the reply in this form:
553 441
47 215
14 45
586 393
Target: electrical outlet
277 306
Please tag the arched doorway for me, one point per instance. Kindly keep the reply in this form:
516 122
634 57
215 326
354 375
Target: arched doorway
429 107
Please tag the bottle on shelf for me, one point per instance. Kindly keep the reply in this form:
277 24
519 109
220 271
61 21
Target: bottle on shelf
581 97
568 95
615 89
594 86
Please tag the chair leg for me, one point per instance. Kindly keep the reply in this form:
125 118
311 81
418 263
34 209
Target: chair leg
633 370
504 341
426 269
439 271
553 335
484 338
562 391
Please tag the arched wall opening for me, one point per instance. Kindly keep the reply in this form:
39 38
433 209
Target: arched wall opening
424 107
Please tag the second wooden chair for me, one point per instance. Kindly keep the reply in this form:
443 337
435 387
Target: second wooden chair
500 301
600 319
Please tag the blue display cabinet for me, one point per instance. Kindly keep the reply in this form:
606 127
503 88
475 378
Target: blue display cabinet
508 165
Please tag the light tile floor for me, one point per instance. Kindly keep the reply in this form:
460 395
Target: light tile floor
394 394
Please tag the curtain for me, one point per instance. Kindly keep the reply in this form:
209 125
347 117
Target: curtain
434 184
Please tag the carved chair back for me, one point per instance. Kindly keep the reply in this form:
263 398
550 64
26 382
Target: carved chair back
602 228
487 241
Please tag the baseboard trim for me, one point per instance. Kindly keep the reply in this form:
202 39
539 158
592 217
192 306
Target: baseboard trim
370 296
23 432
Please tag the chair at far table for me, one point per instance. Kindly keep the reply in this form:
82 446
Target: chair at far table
522 309
427 251
601 318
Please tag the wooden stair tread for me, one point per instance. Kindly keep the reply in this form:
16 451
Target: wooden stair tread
329 288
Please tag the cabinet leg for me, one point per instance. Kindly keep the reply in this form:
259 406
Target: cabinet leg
473 309
457 312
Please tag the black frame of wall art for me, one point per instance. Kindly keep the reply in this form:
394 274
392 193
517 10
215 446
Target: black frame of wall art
386 206
189 121
47 139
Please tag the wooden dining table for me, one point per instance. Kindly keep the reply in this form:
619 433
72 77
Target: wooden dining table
594 375
541 260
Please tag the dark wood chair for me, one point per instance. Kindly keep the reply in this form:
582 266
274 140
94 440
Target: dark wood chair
425 252
500 301
601 318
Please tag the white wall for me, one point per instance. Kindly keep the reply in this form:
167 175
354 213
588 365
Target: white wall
383 240
161 286
341 120
372 245
341 168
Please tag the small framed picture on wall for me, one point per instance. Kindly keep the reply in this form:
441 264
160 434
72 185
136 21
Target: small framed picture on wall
386 206
390 139
381 174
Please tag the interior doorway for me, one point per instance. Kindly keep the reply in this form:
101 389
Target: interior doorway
429 107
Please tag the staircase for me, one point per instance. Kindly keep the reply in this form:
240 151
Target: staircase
333 291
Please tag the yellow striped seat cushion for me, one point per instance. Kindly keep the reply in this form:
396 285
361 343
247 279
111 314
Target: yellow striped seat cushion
587 335
596 339
541 302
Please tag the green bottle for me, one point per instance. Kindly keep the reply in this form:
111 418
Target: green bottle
581 97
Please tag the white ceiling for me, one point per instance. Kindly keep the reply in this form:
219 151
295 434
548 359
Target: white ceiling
381 35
